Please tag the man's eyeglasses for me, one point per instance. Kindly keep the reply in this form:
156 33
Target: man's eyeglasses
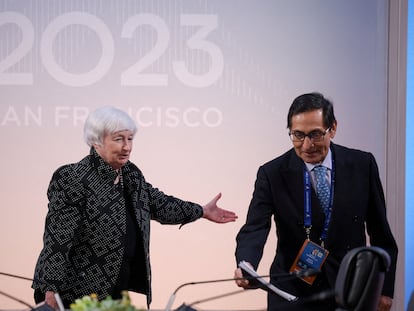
314 136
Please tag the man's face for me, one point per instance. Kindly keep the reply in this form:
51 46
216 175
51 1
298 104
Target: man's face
311 150
116 148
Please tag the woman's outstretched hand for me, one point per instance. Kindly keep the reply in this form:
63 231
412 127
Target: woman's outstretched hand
216 214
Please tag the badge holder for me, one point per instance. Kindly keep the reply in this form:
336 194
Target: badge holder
310 256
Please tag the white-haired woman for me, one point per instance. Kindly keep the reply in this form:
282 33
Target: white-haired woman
97 229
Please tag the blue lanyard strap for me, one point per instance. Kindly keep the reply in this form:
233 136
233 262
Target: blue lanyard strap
307 206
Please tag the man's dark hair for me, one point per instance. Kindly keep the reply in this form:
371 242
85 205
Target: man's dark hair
311 102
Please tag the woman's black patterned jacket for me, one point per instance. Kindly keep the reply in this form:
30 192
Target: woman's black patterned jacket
85 230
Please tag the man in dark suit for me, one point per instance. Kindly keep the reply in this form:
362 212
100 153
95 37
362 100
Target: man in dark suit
286 190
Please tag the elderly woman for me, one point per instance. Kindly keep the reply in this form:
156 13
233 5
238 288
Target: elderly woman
97 229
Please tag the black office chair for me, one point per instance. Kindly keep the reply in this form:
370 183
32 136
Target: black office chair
360 279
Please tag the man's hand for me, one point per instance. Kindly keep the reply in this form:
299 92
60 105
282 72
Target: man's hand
385 303
240 281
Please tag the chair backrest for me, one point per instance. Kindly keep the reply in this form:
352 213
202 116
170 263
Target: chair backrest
360 278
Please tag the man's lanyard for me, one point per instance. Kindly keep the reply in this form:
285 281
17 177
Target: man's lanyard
307 209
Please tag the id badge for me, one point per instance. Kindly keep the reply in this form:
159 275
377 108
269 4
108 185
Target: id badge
310 256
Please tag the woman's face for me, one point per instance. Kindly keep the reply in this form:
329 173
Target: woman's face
116 148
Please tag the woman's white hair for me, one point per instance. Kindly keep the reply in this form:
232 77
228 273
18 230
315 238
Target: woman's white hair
106 120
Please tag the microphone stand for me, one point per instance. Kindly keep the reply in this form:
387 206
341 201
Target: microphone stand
172 297
16 276
217 297
39 307
284 276
16 299
12 297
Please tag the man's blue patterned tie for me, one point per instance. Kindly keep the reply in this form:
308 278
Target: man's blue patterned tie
322 187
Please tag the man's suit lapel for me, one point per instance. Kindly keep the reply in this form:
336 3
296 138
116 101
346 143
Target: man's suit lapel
293 176
342 179
342 192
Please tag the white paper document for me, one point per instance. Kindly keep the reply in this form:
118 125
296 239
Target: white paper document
247 268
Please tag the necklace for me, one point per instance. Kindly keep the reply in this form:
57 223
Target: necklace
119 180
